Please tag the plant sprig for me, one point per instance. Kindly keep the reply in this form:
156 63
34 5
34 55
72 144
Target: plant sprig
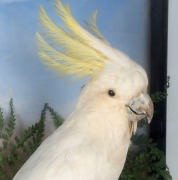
14 152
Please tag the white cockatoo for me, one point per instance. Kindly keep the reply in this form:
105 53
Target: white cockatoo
92 143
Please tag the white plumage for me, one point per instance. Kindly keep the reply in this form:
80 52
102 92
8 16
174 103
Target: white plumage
92 143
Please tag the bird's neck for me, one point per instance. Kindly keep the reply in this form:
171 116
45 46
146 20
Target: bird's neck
109 128
112 130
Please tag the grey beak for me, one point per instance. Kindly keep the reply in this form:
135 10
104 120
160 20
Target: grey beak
140 107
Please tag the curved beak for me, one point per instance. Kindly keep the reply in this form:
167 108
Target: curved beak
140 107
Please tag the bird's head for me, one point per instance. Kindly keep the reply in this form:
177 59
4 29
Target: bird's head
121 87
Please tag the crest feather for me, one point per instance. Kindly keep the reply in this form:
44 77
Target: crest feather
92 26
69 50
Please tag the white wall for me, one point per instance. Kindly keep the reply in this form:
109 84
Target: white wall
172 106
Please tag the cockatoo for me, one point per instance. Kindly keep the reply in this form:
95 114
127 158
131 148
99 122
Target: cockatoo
93 141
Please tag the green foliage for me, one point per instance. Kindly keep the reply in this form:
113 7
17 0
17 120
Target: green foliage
144 161
57 119
14 151
158 96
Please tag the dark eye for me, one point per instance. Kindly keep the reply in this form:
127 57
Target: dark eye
111 93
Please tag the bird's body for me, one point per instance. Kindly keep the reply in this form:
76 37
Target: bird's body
92 143
76 151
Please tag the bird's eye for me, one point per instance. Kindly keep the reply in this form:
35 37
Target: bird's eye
111 93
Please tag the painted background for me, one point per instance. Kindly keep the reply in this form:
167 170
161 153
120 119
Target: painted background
124 23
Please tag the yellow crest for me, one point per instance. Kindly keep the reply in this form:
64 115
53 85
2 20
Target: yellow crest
70 50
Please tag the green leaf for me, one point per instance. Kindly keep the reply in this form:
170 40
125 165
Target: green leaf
158 96
57 119
11 120
5 136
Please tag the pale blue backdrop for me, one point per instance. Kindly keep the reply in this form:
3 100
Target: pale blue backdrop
124 23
